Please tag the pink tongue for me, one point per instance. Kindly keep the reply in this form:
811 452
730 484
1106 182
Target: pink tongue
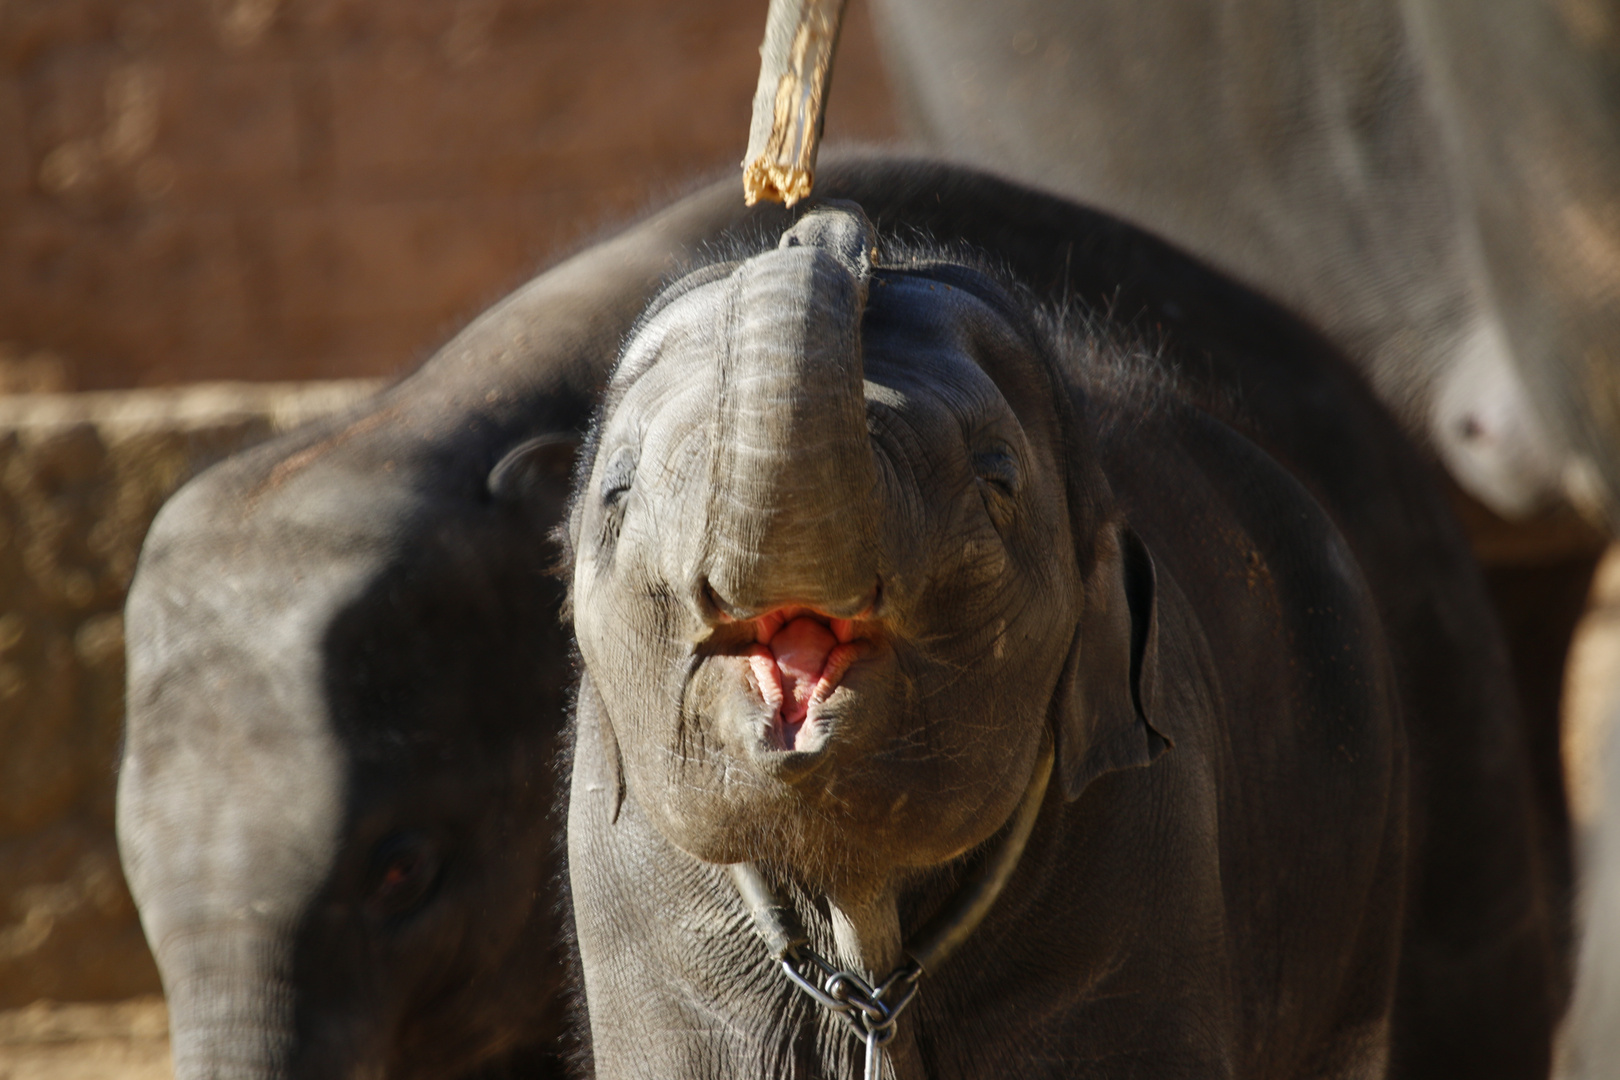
801 648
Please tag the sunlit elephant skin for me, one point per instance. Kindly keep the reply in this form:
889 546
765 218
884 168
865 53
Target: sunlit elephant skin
862 526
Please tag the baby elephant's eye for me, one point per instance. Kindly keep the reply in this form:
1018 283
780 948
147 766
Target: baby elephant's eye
618 475
997 467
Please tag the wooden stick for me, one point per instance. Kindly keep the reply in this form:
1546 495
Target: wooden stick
790 102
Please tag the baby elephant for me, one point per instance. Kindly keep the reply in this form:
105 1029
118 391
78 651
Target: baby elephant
866 547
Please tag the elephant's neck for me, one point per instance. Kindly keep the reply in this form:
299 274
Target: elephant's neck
868 940
867 935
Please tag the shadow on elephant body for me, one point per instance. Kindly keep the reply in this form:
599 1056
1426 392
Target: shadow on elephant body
446 679
1332 870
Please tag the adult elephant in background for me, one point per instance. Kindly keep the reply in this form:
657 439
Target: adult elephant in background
1435 184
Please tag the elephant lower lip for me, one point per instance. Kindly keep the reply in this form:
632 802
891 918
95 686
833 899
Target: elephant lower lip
800 659
796 730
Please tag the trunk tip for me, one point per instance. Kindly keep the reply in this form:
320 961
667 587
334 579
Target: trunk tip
842 230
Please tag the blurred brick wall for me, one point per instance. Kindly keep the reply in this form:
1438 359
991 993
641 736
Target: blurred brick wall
288 189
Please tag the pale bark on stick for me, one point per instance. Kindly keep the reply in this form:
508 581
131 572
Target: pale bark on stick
790 102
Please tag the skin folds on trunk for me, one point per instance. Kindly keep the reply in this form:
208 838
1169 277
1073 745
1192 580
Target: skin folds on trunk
792 509
232 1012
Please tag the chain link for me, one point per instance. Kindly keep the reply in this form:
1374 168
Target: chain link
867 1009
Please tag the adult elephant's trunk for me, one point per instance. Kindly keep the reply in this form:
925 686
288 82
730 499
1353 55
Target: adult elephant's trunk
230 1017
792 514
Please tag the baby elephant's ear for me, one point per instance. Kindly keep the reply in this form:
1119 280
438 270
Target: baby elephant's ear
591 718
1108 696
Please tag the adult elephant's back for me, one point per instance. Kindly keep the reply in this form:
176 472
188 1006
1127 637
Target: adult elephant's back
1432 185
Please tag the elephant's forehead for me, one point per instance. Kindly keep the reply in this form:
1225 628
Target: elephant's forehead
688 329
925 339
914 375
664 408
922 340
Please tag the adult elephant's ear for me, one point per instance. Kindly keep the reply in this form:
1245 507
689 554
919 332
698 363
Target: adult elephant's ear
542 462
1108 695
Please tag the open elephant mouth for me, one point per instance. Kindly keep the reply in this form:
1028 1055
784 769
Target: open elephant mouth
798 658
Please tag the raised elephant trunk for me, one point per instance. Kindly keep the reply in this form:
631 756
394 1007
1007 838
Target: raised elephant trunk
792 512
230 1013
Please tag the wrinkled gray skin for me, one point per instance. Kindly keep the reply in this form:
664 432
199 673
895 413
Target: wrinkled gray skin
336 637
1291 831
1435 184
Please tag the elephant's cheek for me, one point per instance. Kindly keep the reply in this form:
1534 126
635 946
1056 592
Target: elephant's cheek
730 706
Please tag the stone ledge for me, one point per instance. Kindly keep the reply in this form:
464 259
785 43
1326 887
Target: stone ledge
81 477
122 413
51 1041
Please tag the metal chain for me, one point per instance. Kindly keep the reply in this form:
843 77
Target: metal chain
865 1008
873 1011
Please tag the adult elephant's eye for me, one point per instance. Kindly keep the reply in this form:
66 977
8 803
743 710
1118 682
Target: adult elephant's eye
618 475
405 871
